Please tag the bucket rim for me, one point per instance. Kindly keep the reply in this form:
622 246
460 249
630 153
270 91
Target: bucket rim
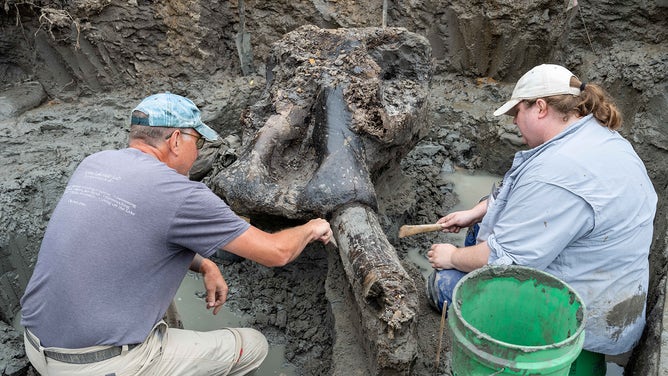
455 307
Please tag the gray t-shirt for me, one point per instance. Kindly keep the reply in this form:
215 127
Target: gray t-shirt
117 248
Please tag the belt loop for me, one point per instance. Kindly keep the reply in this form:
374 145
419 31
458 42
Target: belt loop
124 349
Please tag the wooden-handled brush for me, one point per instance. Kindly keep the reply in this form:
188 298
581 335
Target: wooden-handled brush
408 230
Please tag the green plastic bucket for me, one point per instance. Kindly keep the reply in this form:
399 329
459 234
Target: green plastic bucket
514 320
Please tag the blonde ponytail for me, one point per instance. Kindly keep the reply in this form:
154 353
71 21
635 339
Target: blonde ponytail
595 100
592 100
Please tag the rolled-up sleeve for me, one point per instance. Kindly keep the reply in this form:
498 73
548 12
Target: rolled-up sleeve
537 222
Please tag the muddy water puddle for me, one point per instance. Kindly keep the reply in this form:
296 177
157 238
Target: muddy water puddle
469 187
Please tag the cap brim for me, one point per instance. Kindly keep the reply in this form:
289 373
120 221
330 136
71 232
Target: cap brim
206 132
506 107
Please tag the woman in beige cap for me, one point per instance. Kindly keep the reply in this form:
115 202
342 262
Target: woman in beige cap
578 204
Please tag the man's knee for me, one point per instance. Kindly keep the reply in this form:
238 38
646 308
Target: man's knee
254 348
254 342
441 285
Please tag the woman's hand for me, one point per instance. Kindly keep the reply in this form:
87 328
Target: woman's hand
440 256
455 221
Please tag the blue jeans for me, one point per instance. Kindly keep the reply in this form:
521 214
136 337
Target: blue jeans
441 283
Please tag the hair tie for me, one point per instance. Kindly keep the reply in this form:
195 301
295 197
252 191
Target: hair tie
582 86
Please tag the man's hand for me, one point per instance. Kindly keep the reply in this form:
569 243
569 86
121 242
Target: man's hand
322 230
215 285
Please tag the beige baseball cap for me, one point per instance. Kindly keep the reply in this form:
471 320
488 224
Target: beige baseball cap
542 81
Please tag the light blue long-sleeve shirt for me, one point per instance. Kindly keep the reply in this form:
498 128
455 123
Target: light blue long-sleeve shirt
581 207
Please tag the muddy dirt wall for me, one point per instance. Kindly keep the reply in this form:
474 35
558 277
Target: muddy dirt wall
70 71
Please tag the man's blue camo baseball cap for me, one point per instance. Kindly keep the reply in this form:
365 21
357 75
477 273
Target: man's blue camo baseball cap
173 111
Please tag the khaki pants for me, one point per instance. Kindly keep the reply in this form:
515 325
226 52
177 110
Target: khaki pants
166 351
